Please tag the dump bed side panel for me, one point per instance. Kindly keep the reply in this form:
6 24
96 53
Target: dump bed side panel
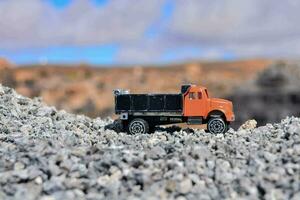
148 103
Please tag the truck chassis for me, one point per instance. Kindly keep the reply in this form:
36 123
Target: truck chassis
140 113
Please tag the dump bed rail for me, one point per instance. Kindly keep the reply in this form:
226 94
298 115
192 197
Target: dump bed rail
131 103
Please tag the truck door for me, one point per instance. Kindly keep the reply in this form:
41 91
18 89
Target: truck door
194 103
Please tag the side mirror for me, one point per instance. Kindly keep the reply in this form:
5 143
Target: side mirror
120 91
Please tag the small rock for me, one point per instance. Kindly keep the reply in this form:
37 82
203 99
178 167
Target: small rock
171 186
248 125
185 186
19 166
116 175
156 152
296 196
38 180
210 164
79 152
45 111
180 198
1 90
270 157
26 128
273 177
54 184
103 180
47 198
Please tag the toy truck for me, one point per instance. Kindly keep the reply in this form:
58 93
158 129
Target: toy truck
140 113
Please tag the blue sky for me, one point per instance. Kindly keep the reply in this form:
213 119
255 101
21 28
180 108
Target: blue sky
60 4
115 32
65 54
101 53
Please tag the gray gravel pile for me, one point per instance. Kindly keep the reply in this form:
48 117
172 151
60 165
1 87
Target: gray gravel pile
49 154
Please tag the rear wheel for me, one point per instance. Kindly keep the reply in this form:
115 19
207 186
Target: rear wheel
217 125
138 126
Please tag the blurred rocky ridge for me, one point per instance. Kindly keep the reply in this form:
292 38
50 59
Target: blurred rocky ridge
264 90
88 90
4 64
272 95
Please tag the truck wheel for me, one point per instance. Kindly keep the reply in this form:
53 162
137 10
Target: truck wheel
138 126
217 125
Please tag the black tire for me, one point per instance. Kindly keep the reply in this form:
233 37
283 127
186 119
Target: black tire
228 127
138 126
217 125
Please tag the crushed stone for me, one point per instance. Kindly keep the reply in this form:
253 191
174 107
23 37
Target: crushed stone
49 154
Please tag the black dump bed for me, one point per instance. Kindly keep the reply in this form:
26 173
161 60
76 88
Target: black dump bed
148 103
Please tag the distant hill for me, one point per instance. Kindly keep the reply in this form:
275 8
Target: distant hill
88 90
4 64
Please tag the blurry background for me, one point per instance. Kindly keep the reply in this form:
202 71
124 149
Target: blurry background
73 53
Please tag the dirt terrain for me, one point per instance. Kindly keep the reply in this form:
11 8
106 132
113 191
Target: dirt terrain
88 90
50 154
271 96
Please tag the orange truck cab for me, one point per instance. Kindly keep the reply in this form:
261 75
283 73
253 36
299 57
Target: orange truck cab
197 103
140 113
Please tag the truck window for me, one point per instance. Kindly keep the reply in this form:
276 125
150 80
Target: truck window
192 95
199 95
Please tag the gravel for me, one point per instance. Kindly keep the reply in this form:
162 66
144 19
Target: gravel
48 154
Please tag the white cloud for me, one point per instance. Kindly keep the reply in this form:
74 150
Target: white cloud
139 54
33 23
242 27
249 27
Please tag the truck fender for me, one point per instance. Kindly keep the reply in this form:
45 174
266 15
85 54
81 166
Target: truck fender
216 113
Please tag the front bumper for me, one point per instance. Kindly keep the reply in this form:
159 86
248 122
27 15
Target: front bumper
230 117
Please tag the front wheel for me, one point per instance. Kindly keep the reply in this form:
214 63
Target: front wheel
217 125
138 126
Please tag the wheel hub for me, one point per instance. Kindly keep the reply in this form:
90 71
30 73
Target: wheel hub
137 127
217 126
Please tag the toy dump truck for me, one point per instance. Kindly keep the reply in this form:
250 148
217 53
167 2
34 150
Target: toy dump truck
140 113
